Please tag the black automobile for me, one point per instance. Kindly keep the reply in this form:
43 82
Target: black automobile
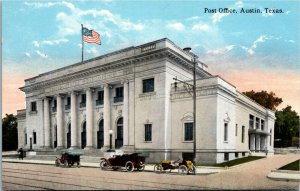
128 161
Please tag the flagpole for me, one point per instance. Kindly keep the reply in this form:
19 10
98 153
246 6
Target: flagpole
82 46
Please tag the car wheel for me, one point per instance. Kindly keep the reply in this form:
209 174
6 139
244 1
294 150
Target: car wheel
141 167
78 164
66 163
129 166
103 165
192 170
182 170
57 163
157 168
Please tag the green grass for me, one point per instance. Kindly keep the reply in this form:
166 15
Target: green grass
291 166
238 161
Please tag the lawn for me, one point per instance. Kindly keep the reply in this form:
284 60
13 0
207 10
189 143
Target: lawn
292 166
238 161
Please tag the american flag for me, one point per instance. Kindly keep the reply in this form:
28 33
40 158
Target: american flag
90 36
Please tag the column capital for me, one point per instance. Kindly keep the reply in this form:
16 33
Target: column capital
74 92
107 86
60 95
125 81
89 89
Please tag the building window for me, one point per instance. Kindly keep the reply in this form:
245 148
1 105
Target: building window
225 131
243 154
54 106
188 131
33 106
251 122
148 85
243 133
100 98
226 156
68 106
34 137
257 123
262 125
25 138
148 132
236 129
236 155
83 100
119 95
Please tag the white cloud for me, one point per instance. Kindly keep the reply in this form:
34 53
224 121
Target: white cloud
55 42
291 41
218 16
221 50
260 39
201 27
107 34
42 55
28 54
93 51
239 4
36 44
176 26
288 12
40 5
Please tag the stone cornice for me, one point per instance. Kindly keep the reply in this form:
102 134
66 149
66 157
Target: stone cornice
157 54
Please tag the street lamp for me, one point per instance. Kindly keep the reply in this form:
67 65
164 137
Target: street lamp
110 139
193 87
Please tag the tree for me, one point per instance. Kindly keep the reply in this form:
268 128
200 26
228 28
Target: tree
268 100
9 132
286 125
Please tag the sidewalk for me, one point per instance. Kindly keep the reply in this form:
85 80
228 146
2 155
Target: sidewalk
149 168
285 175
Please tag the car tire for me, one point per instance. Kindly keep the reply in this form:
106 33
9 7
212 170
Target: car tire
129 166
103 165
192 170
182 170
66 163
141 167
78 164
57 163
157 168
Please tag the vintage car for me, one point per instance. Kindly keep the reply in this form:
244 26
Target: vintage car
68 159
184 167
127 161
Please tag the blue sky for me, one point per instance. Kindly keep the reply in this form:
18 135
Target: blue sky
39 36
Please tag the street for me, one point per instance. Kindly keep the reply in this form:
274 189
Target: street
17 176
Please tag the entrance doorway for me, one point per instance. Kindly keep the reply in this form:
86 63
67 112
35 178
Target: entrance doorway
83 136
119 140
69 136
100 135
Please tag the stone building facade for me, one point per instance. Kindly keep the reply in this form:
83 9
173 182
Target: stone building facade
127 100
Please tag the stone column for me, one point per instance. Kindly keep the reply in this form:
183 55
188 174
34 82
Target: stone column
59 119
106 115
47 122
74 134
89 118
125 113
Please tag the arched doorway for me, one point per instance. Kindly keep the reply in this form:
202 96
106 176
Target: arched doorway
119 140
55 137
69 136
100 135
83 135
